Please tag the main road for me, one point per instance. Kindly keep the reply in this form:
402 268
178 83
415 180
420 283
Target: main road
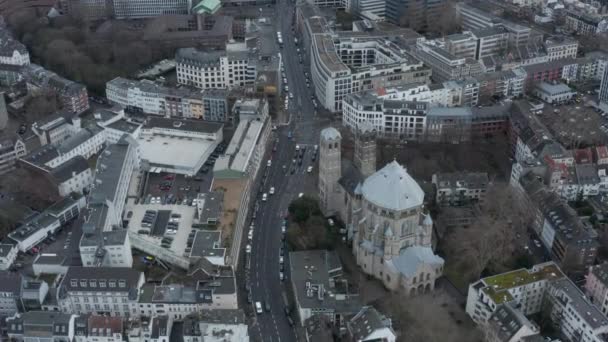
262 264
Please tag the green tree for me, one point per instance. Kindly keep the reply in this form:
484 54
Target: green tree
303 208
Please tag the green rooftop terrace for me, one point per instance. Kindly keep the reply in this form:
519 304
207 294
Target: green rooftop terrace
497 286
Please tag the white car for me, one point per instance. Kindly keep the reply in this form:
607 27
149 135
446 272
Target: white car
309 170
264 197
248 249
250 234
281 276
291 95
283 229
300 194
258 308
271 191
280 260
269 163
284 80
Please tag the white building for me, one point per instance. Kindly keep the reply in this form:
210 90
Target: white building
56 128
11 149
72 176
554 93
524 288
8 254
370 325
95 328
560 48
234 67
110 291
10 293
216 326
596 286
12 52
38 228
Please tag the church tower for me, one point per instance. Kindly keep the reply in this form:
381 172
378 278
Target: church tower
365 149
330 170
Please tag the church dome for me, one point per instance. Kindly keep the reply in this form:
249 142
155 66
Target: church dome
393 188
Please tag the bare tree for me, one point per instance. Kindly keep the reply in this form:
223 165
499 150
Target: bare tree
413 15
447 22
40 105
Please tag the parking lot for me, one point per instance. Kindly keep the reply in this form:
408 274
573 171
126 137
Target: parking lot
576 123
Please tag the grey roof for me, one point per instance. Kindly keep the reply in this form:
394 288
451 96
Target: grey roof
550 88
506 322
207 244
393 188
8 44
212 206
217 316
411 258
586 174
330 133
65 171
366 322
601 272
106 276
78 138
351 177
316 267
450 112
108 169
124 126
579 303
10 283
6 248
160 327
42 155
109 238
199 58
183 124
174 293
40 324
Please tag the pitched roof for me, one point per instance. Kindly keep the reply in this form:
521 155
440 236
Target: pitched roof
393 188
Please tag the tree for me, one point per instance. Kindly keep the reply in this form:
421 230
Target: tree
40 106
446 22
303 208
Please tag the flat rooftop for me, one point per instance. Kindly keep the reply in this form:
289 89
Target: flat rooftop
497 286
178 153
207 244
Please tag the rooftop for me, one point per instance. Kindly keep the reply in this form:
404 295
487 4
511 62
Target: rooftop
497 286
65 171
577 301
185 125
393 188
207 244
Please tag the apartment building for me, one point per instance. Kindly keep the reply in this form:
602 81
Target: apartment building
56 128
584 24
445 65
104 242
11 149
73 96
596 286
8 254
508 324
603 94
234 67
342 65
152 98
560 47
73 176
573 314
462 188
523 288
10 293
205 324
94 328
12 51
41 326
216 106
370 325
137 9
112 291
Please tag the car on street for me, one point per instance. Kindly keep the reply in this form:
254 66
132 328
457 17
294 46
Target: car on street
300 194
250 234
271 191
264 197
309 170
258 308
248 249
291 95
267 306
269 163
281 260
281 276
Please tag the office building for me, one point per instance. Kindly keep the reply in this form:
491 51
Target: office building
233 67
603 94
338 67
413 11
112 291
445 65
137 9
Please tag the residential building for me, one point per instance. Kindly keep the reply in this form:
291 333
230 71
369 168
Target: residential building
116 129
215 325
137 9
523 288
8 254
72 176
233 67
559 47
462 188
72 96
41 326
12 52
508 324
603 94
154 329
56 128
573 314
112 291
552 71
451 125
38 227
98 328
104 241
11 149
89 9
312 289
584 24
445 65
596 286
554 93
10 293
600 155
370 325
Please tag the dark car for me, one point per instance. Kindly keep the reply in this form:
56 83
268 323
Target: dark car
267 306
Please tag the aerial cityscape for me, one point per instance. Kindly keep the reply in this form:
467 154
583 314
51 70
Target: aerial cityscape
304 170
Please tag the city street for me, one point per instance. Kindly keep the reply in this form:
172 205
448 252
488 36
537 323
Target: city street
261 266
